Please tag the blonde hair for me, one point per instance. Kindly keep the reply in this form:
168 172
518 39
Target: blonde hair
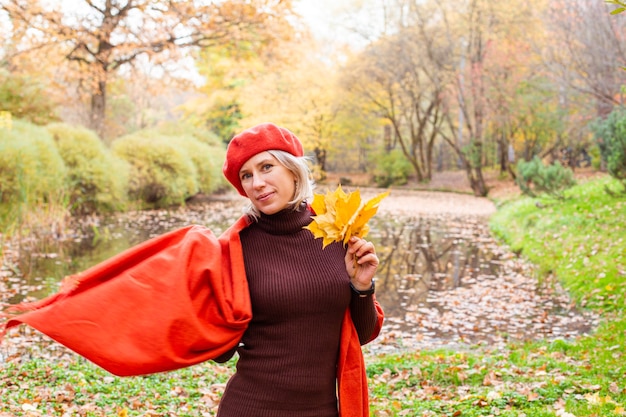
299 167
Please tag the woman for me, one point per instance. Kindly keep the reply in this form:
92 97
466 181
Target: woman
296 313
299 292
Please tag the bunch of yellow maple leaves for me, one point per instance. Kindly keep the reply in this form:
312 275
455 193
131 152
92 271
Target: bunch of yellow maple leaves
340 215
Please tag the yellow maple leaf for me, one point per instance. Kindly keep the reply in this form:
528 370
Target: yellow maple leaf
597 399
339 216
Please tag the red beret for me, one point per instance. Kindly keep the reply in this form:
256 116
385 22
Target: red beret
257 139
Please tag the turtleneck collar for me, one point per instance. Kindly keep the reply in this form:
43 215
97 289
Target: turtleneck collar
285 221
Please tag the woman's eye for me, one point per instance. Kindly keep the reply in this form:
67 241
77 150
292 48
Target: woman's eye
245 176
267 167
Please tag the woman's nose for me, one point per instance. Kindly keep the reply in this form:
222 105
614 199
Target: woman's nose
257 181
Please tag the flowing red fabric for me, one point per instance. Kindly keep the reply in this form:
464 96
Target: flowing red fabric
173 301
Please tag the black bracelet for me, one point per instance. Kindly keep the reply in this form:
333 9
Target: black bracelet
364 293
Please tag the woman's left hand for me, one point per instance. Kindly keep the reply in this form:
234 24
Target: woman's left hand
361 263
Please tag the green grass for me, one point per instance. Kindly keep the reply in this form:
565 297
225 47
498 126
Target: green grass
581 241
76 387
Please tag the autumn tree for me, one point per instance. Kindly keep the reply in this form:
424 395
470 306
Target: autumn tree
441 73
521 103
314 97
293 85
586 52
290 84
475 26
477 32
101 38
399 75
225 70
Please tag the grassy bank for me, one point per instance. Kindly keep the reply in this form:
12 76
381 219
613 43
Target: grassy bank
580 241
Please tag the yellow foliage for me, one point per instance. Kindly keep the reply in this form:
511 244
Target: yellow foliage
339 216
5 120
597 399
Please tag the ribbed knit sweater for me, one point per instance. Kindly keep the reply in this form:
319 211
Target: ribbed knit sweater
299 294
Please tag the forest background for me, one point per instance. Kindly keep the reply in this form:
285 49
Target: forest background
114 105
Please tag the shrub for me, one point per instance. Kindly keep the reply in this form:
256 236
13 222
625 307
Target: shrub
31 169
535 178
205 149
610 135
207 160
32 174
392 168
97 179
161 172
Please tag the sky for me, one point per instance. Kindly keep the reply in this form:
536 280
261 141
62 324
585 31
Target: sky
331 21
334 19
328 19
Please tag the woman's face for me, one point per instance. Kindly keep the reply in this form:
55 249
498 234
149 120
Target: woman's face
268 184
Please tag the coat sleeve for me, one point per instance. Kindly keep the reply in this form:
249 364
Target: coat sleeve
167 303
367 316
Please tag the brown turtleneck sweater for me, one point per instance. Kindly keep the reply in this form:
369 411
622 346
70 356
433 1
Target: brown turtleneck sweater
299 293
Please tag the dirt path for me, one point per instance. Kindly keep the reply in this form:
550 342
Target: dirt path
447 193
408 202
415 203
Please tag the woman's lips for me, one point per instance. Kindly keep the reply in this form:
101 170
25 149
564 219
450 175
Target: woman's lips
264 197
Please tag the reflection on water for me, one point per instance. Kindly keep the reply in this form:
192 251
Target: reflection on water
429 254
41 268
442 280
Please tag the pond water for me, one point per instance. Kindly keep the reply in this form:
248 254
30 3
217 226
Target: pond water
443 281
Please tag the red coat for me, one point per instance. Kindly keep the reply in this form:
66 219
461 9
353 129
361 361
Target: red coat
173 301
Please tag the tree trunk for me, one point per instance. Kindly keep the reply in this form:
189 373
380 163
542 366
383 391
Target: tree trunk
320 155
478 184
98 109
475 171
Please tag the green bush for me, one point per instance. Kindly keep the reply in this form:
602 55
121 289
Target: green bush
31 169
207 161
97 179
392 168
535 178
206 150
610 135
161 172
